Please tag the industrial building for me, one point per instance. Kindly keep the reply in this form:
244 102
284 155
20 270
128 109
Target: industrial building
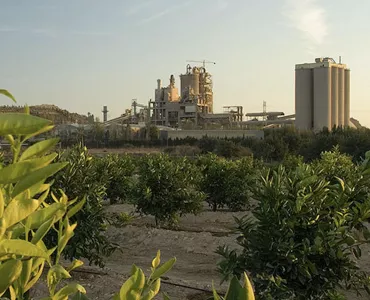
191 105
322 95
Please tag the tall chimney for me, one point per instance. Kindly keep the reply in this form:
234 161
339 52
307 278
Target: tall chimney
105 113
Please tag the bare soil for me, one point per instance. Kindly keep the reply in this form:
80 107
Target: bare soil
193 244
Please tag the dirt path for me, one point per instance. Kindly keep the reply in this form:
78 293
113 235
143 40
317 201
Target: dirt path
193 246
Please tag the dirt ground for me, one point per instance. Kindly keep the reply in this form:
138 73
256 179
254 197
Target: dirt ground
193 245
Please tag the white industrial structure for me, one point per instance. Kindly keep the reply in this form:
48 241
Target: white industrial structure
322 95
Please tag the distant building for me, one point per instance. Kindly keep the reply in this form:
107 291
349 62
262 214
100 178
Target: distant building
322 95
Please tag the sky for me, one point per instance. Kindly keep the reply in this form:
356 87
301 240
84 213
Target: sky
83 54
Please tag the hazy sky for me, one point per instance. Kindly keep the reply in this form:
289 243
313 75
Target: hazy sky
83 54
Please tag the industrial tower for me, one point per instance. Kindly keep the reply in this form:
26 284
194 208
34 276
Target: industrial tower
322 95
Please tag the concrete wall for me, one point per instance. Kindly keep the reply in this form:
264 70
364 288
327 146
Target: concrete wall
198 134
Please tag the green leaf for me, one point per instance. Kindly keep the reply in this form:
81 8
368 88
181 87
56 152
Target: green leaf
34 280
80 296
215 295
15 172
39 148
75 209
75 264
40 216
68 233
2 203
42 130
55 274
7 94
26 272
18 210
22 248
132 288
42 231
9 272
21 124
235 290
36 177
69 290
163 269
249 294
157 260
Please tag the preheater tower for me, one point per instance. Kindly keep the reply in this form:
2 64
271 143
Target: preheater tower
322 95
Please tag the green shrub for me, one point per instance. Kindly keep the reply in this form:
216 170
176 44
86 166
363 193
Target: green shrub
25 218
80 178
167 188
116 171
226 182
304 239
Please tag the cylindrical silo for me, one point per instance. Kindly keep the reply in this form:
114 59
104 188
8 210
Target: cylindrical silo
303 99
322 98
195 82
347 96
334 96
341 85
185 82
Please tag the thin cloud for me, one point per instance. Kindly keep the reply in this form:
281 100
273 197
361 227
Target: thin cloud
50 33
309 17
92 33
45 32
164 12
136 9
8 29
222 4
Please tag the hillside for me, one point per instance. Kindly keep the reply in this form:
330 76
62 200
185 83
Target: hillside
50 112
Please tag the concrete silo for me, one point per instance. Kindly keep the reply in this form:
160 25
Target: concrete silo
347 95
341 87
322 99
334 96
303 98
190 80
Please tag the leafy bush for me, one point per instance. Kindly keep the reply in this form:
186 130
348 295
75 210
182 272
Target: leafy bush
304 238
334 164
226 182
116 173
167 188
80 178
25 218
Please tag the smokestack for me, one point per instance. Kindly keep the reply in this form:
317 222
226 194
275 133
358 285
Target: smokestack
105 113
159 84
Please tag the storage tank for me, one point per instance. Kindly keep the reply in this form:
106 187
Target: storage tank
341 85
303 99
190 80
334 96
347 97
322 98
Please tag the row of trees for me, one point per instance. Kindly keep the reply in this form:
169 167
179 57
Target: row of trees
308 226
276 145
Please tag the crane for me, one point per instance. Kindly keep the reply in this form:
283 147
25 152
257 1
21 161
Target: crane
204 62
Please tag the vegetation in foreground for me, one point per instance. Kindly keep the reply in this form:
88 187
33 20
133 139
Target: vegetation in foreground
304 241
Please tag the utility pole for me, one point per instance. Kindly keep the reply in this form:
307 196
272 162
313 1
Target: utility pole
264 113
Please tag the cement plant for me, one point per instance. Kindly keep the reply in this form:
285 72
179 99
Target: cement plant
322 99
